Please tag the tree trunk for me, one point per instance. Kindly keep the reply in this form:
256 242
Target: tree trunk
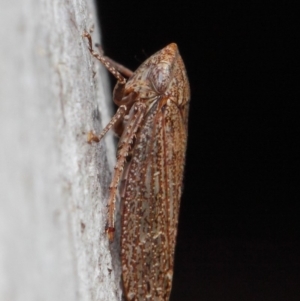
53 184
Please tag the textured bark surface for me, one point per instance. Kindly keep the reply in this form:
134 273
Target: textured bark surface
53 184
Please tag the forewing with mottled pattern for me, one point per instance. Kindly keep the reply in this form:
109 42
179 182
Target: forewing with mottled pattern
151 205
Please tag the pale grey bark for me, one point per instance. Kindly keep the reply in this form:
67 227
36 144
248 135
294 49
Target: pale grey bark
53 184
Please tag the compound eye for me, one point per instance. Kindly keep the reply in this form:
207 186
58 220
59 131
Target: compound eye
160 76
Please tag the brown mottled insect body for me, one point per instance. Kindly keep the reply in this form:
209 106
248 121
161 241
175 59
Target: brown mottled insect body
153 116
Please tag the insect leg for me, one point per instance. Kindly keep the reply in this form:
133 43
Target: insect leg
127 139
116 69
115 120
104 61
122 69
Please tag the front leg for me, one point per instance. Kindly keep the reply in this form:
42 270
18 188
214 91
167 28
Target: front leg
117 121
118 117
124 102
106 62
122 69
115 69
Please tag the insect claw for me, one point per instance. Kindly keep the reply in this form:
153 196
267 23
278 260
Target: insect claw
110 231
92 137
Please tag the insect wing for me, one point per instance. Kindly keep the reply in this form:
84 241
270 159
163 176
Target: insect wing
151 201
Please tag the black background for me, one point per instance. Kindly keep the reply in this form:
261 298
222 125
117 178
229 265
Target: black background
239 222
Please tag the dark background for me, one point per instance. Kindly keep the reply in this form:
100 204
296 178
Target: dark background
239 223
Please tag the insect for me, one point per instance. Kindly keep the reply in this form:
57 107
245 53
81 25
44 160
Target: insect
152 122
